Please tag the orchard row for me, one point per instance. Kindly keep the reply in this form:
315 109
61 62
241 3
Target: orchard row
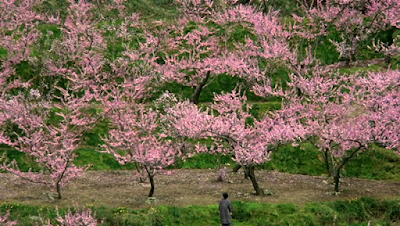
98 61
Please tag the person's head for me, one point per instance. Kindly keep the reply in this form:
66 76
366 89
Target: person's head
225 195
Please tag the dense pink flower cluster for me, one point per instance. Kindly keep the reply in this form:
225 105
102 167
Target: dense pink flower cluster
82 217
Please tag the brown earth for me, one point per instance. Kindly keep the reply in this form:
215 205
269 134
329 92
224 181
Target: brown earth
192 187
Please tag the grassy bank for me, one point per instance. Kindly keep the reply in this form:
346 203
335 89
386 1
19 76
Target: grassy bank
376 163
350 212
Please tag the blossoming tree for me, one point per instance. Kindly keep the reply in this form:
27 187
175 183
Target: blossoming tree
358 22
234 131
201 46
136 134
344 114
48 132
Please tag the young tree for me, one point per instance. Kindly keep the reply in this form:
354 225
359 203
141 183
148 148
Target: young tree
86 54
136 134
136 139
233 130
358 22
48 132
344 114
75 70
203 44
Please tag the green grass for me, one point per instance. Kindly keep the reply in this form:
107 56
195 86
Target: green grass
375 163
346 212
99 161
203 161
363 70
153 9
303 159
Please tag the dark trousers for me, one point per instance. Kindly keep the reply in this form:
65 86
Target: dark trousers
228 224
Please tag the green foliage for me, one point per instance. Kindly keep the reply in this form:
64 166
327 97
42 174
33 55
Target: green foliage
3 53
323 213
223 83
153 9
303 159
99 161
53 6
203 161
375 163
161 215
353 70
285 7
326 52
258 109
24 161
346 212
93 137
173 87
28 215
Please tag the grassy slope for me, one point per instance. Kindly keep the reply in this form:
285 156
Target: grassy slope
350 212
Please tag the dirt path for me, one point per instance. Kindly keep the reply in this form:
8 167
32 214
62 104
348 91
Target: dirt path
192 187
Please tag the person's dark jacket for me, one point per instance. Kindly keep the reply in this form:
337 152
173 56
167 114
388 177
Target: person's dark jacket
225 211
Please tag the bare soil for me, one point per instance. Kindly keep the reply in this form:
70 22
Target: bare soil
192 187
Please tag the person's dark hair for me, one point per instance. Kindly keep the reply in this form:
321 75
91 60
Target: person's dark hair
225 195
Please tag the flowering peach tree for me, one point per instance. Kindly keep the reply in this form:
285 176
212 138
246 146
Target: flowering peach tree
234 130
344 114
358 22
201 49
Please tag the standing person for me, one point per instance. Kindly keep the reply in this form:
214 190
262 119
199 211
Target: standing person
225 210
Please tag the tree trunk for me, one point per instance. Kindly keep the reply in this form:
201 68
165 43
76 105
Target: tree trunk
327 163
58 188
253 180
246 172
142 179
348 62
195 98
388 59
152 185
336 179
236 168
151 178
336 176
